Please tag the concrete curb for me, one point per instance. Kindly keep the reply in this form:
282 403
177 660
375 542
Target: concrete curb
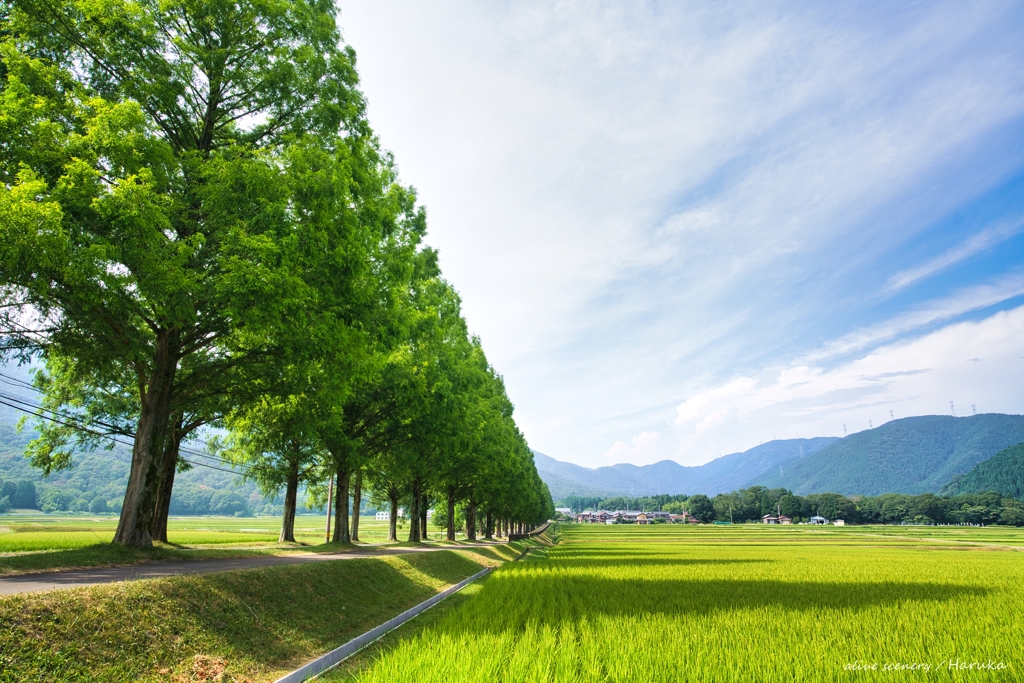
321 664
336 656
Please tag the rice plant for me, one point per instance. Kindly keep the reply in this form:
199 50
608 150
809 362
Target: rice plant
666 603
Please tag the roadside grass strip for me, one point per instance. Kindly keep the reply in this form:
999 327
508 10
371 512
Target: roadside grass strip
252 625
678 604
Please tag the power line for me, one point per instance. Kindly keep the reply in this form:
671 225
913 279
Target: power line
38 412
115 429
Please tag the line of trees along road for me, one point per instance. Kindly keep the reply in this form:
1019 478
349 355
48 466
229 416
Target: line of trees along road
198 228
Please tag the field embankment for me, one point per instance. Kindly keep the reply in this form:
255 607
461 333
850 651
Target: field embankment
242 626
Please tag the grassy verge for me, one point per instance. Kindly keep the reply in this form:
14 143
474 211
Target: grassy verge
111 555
233 626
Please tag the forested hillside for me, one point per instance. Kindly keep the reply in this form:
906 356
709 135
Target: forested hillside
97 480
1003 472
911 455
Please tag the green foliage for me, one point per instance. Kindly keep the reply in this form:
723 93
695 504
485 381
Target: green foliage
198 227
701 508
1003 472
645 503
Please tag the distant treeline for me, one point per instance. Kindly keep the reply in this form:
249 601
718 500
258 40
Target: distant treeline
17 494
751 504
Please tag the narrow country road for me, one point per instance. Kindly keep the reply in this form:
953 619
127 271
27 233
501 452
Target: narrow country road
76 578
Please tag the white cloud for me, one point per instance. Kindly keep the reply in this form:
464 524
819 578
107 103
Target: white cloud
641 453
977 363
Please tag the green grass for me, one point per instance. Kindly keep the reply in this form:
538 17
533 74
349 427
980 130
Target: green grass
76 531
742 603
42 542
243 626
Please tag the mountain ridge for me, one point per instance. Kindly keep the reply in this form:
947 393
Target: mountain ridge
722 474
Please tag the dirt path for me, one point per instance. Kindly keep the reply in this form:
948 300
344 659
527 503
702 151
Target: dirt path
76 578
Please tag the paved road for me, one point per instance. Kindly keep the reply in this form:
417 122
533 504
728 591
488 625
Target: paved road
76 578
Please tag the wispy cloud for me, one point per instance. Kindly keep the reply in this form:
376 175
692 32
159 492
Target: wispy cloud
933 312
984 240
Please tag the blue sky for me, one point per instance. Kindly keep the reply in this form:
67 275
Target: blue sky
684 229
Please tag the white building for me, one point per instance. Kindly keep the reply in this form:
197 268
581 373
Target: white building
384 516
564 511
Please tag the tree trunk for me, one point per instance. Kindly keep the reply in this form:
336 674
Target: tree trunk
290 496
471 521
489 527
341 508
414 513
136 523
451 514
423 516
393 524
357 503
170 467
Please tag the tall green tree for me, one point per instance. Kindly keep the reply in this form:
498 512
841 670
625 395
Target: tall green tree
146 213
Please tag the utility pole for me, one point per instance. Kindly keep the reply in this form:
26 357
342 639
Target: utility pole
330 493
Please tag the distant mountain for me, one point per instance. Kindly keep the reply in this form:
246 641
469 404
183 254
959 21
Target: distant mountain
723 474
1003 472
911 455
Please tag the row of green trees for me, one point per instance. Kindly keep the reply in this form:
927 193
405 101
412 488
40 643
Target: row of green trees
199 228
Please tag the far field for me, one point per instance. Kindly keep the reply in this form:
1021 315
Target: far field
733 603
20 533
30 543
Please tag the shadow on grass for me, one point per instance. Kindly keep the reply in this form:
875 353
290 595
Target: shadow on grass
98 555
659 561
557 597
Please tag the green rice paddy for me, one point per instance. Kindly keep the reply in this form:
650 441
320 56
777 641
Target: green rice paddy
735 603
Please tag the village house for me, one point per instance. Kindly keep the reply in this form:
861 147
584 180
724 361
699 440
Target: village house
625 517
773 519
817 519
